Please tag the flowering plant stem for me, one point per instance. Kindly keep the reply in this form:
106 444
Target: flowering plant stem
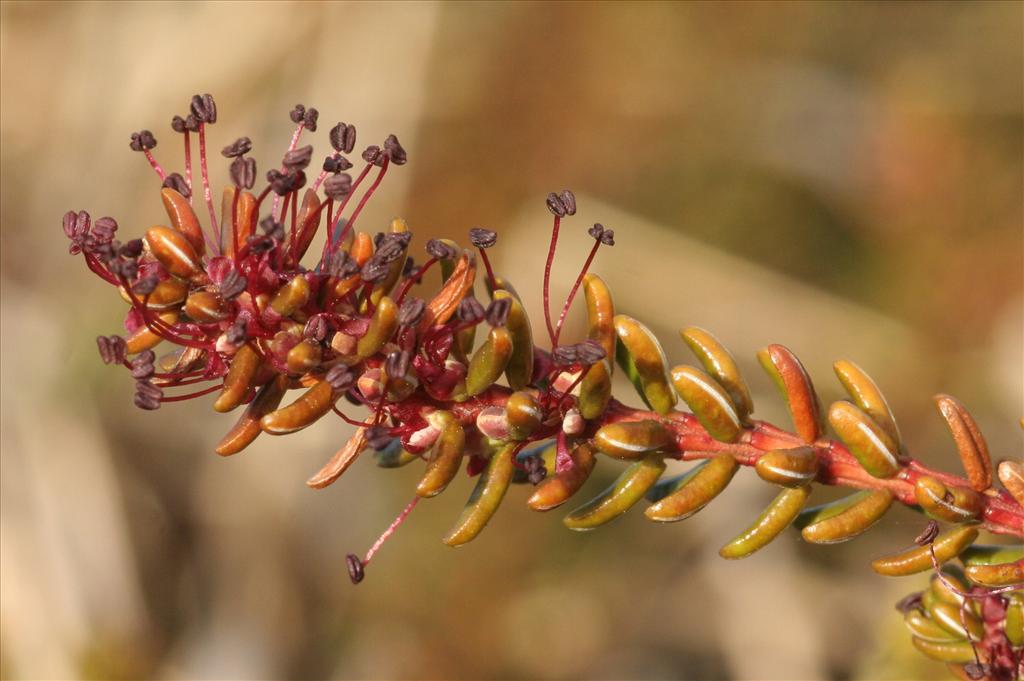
453 383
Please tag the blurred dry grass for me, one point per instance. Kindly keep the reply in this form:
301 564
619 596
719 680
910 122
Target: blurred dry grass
843 178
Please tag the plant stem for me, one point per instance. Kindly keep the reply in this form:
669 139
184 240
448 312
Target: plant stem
1001 513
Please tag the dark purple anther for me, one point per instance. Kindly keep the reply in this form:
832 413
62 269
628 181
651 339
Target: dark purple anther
555 205
298 159
315 328
374 154
338 186
498 310
482 238
568 201
395 151
340 378
470 311
243 172
437 248
355 568
411 312
928 535
142 141
146 285
336 164
176 182
242 145
310 118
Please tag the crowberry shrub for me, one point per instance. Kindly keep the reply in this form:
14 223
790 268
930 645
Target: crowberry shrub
453 377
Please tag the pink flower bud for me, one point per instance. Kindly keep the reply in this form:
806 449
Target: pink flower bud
572 423
370 385
493 423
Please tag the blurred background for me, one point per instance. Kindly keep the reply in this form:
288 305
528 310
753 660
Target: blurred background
842 178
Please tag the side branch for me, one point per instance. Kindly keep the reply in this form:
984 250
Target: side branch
1001 513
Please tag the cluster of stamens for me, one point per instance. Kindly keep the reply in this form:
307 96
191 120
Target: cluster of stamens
247 315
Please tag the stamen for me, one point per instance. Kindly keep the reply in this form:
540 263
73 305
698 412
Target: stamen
305 236
320 180
966 594
547 280
155 324
575 288
175 383
378 411
369 193
214 229
189 396
144 141
295 219
341 209
288 199
234 221
487 266
572 386
186 374
335 163
160 328
355 568
391 530
952 587
177 329
97 267
188 165
328 205
483 239
256 209
412 278
559 205
154 164
291 147
346 419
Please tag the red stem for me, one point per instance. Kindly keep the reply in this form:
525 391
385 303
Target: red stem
323 174
174 383
307 230
412 278
344 202
166 376
1001 513
547 279
291 147
280 249
234 222
575 288
155 324
292 232
329 244
214 230
155 165
368 194
487 266
572 386
346 419
189 396
99 269
188 166
391 529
